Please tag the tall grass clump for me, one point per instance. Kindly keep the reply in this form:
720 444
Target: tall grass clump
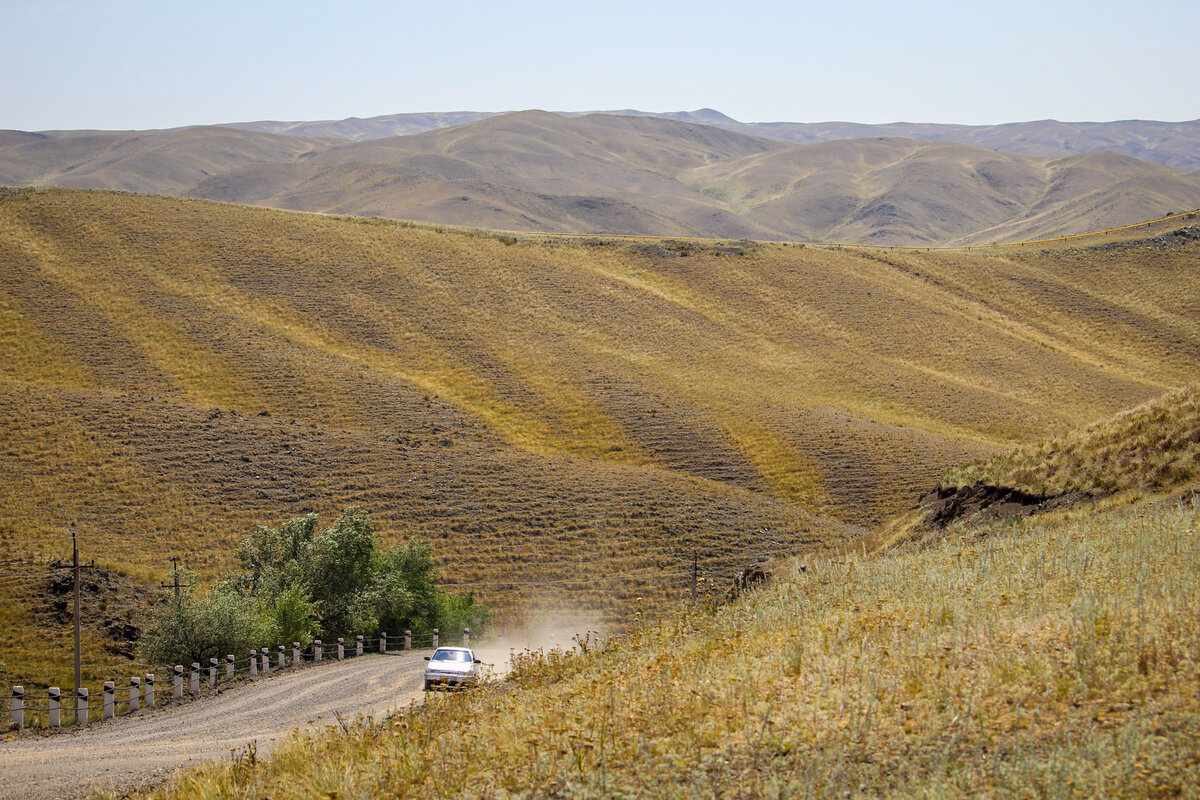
1051 658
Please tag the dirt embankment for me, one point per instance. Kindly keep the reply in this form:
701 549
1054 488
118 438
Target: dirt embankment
947 504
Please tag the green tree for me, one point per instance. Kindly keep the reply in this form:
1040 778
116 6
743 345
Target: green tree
292 617
340 573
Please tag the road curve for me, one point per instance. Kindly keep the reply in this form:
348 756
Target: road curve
146 747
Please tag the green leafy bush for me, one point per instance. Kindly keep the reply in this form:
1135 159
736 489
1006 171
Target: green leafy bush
298 582
190 628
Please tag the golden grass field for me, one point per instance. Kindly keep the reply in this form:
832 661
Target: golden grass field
1053 656
568 420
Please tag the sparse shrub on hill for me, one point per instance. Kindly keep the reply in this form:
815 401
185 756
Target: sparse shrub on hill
298 583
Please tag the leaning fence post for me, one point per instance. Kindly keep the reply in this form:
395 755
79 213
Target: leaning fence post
382 642
81 707
318 650
177 683
466 637
54 707
253 663
266 661
18 707
435 638
110 691
341 649
149 690
408 640
230 666
212 671
295 654
194 683
135 693
358 646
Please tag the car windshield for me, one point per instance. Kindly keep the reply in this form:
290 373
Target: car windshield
452 655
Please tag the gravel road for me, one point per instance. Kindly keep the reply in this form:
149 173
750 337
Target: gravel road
147 747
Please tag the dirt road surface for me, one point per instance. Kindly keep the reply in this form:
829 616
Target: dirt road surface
146 748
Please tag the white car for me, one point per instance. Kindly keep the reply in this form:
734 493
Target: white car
451 668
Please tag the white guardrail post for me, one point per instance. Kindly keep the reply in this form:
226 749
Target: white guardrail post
194 683
358 646
212 671
54 708
295 654
281 657
149 690
382 642
341 649
81 707
435 638
18 707
135 693
318 650
110 691
230 666
265 655
253 663
408 640
177 683
466 637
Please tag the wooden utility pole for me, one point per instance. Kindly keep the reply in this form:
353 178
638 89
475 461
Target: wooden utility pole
75 568
175 561
695 570
78 637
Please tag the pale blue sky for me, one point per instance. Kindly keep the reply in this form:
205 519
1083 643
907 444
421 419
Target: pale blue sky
162 64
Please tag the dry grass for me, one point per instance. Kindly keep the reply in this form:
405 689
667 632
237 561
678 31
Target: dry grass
1153 448
545 410
1052 659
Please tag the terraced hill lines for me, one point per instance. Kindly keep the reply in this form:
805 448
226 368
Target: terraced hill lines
584 412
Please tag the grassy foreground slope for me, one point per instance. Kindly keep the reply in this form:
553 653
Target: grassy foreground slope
567 420
1056 656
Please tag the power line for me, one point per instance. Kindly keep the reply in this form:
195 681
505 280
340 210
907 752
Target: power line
26 574
44 538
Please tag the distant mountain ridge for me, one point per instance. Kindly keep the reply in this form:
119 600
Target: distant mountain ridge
1175 144
623 173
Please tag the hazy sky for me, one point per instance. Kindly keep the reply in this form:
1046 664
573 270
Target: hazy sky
170 63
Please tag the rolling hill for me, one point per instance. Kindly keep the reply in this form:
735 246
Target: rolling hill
568 420
639 175
1175 144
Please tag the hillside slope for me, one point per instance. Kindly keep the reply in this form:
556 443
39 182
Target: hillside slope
163 162
569 421
1050 657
